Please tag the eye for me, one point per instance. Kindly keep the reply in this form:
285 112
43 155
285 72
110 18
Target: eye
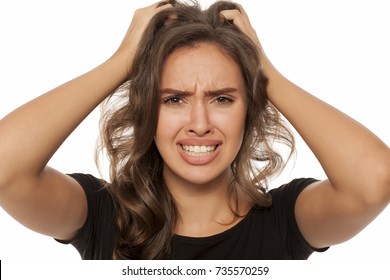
173 100
223 99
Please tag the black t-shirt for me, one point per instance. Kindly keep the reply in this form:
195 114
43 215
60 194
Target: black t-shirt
271 233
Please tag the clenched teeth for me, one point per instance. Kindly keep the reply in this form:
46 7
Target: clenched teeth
198 150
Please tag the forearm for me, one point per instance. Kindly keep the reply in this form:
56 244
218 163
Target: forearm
31 134
352 157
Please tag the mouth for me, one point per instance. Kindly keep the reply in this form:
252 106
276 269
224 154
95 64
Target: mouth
199 151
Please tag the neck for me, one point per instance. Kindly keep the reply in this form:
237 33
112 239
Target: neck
206 209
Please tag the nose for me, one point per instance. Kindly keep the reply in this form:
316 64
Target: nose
199 122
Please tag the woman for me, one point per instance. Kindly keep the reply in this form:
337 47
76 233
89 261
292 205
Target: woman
186 176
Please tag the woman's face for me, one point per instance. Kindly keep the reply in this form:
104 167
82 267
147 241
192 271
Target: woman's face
201 115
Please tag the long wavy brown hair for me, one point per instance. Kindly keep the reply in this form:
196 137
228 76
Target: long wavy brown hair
146 212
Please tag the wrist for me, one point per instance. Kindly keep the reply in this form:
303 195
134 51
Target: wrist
121 63
275 78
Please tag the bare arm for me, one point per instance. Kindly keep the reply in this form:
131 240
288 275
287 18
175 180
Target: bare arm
357 163
39 197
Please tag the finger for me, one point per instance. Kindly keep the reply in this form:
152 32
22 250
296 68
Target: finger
231 14
163 4
234 16
240 19
242 10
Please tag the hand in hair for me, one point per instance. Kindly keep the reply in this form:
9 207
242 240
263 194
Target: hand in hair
241 20
137 27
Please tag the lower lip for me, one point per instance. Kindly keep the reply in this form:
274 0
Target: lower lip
199 160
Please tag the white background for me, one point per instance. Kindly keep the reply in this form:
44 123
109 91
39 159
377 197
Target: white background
337 50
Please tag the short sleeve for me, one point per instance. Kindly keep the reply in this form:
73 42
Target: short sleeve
285 198
95 239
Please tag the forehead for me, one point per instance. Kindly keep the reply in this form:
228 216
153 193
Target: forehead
206 63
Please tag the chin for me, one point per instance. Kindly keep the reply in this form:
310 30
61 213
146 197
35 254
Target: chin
205 178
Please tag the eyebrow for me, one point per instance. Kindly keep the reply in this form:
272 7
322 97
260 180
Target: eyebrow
174 92
209 93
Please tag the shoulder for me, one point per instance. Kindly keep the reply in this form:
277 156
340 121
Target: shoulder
291 190
99 199
92 186
95 239
88 181
280 222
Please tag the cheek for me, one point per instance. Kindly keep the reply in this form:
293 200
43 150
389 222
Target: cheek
238 126
168 125
231 123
